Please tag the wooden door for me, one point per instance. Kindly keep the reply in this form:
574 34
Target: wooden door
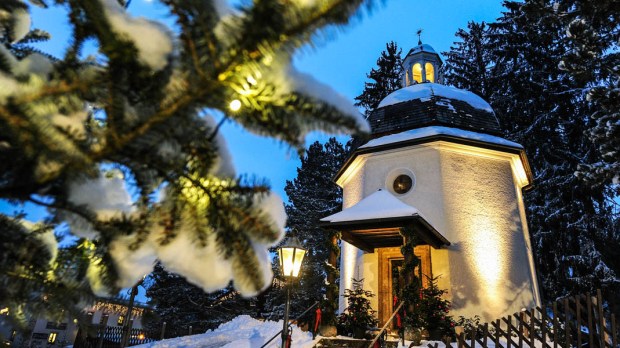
390 259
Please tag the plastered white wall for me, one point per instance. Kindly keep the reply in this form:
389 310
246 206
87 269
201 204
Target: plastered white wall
475 202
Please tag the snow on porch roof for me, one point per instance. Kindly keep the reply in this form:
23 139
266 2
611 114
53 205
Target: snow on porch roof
379 205
381 210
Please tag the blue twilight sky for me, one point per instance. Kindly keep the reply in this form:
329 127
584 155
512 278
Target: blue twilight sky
342 61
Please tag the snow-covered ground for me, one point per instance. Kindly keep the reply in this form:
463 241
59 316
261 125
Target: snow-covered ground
247 332
241 332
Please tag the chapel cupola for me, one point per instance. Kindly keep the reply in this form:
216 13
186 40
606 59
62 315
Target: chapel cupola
421 65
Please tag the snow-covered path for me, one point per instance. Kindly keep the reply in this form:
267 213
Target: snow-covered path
241 332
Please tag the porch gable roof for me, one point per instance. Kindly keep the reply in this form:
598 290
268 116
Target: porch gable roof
375 221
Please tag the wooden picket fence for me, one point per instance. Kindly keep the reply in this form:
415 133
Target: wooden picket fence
576 321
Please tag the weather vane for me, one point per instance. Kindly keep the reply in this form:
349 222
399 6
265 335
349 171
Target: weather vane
419 32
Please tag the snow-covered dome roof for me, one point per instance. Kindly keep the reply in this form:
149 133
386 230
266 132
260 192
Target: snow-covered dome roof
422 48
432 104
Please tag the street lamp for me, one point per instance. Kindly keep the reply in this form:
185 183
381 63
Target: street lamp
291 255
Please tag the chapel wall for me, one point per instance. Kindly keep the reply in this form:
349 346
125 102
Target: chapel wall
490 269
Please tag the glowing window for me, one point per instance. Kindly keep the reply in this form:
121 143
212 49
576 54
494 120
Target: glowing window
51 338
417 72
430 72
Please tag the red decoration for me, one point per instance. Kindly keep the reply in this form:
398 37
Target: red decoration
317 321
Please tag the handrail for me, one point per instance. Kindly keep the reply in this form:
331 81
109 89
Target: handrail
386 325
299 316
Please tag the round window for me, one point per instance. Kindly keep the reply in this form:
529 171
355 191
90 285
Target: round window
402 184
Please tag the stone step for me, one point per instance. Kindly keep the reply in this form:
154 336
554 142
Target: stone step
349 343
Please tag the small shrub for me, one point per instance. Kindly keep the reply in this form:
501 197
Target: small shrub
358 316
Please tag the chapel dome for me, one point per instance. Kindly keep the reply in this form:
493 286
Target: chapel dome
432 104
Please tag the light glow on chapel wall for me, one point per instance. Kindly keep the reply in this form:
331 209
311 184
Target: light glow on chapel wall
489 256
348 266
484 227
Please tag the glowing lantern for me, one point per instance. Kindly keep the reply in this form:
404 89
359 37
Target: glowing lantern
291 255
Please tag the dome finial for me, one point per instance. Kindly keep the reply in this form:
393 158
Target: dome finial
419 32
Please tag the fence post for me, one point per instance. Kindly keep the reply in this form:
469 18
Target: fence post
497 332
567 323
614 334
555 325
127 333
190 330
460 340
543 324
102 329
578 313
521 328
601 318
533 328
163 331
509 331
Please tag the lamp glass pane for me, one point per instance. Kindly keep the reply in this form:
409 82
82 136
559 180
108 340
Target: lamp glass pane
286 261
299 256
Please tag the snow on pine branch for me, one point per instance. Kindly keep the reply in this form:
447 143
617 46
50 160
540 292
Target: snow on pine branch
152 39
133 129
204 266
106 196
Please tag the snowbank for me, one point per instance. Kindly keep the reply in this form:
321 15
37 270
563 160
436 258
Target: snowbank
241 332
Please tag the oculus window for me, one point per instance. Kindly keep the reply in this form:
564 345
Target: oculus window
402 184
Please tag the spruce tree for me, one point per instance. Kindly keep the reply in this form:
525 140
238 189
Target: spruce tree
468 60
181 304
386 78
125 154
313 195
431 312
594 61
359 316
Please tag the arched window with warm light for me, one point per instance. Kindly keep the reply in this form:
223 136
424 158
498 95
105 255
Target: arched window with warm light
417 72
430 72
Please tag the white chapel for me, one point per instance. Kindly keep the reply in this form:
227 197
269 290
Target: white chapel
436 163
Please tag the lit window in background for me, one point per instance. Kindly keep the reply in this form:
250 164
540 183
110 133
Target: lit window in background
51 339
417 72
430 72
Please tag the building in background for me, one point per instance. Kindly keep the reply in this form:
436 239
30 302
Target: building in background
45 333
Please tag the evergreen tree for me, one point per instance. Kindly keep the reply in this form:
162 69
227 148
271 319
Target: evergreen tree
468 60
77 136
359 316
594 61
313 195
543 107
431 312
386 78
15 32
181 304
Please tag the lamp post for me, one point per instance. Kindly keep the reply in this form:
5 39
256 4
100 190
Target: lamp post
291 255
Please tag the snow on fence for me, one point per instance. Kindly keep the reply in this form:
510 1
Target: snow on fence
576 321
